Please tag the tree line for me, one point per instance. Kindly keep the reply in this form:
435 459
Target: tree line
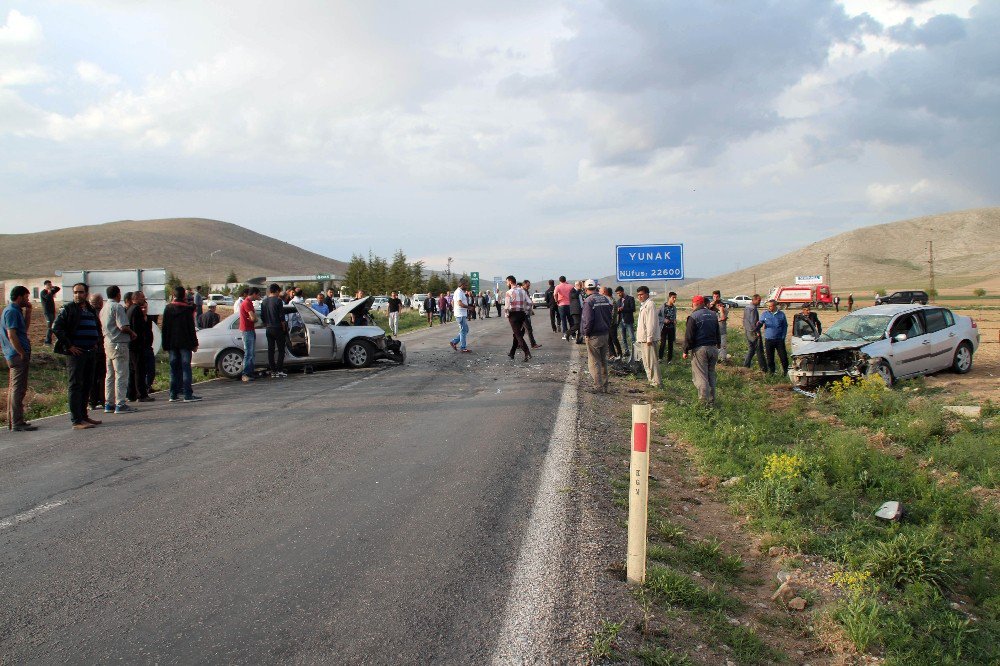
376 275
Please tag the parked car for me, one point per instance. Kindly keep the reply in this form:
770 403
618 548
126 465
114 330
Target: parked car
417 301
312 340
219 299
742 301
908 296
538 299
380 303
894 341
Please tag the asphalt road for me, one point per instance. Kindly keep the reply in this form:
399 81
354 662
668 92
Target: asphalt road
371 516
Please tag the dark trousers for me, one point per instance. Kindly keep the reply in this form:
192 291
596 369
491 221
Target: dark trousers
137 386
564 318
574 328
275 339
150 368
554 317
614 346
180 373
530 330
516 320
17 388
81 380
770 346
667 336
755 347
100 372
49 319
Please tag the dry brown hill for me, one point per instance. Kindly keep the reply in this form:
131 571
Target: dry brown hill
181 245
891 256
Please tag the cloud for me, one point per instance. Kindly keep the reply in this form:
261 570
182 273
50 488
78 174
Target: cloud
92 73
19 30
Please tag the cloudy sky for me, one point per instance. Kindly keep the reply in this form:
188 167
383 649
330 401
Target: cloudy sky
524 137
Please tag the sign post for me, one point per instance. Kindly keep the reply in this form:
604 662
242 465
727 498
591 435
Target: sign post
638 495
650 263
474 279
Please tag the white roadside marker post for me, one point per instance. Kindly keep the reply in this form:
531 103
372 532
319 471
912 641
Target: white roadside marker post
638 495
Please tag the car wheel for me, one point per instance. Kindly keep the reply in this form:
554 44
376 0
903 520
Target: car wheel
962 362
230 363
358 354
884 371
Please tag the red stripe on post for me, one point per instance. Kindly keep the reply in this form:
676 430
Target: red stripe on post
640 437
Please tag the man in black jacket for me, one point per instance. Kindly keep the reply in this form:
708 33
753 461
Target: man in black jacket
138 386
77 332
272 313
575 312
48 298
806 323
550 303
179 340
595 326
702 340
430 307
626 322
755 345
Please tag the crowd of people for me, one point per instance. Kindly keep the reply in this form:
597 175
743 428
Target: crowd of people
108 338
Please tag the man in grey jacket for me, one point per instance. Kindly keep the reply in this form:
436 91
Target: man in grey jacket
755 346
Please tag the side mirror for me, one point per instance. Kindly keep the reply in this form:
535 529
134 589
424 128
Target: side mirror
900 337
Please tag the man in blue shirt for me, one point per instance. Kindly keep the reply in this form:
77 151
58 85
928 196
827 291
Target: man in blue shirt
775 327
17 350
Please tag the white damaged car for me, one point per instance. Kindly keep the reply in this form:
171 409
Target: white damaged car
894 341
312 340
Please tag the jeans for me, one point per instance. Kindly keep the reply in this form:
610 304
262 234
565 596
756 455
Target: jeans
49 320
755 347
81 379
275 343
180 373
394 322
703 360
597 360
667 336
17 388
628 338
564 318
771 346
116 372
463 332
249 351
442 316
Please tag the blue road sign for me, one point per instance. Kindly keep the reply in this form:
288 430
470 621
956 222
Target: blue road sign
650 262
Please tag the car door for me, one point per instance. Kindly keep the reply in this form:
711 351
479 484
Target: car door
908 357
943 336
319 336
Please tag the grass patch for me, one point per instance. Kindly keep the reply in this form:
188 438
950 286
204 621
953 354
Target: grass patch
813 485
677 589
603 643
656 656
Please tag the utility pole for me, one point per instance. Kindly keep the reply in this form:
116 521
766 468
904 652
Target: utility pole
755 283
826 266
448 271
930 264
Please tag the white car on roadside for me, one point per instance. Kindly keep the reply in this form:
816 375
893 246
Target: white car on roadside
893 341
538 299
742 301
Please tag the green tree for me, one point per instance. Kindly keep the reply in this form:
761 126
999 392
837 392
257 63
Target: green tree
378 275
436 284
417 282
399 277
231 278
980 292
356 275
172 282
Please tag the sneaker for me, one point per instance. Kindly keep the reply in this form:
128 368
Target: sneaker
109 408
535 346
454 345
24 427
564 337
465 351
174 398
247 379
192 398
125 409
280 375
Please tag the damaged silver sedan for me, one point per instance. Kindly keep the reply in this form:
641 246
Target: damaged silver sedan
893 341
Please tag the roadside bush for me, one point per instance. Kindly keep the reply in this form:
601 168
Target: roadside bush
975 456
858 401
911 557
861 617
980 292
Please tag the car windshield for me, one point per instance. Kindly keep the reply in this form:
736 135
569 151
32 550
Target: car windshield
857 327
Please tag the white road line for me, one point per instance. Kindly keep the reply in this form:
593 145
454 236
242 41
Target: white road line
29 514
525 636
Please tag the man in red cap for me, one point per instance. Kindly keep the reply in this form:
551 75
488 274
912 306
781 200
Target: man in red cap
702 341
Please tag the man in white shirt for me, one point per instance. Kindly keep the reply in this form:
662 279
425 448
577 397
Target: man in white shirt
647 335
461 305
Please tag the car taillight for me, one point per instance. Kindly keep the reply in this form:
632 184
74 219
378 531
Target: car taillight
973 323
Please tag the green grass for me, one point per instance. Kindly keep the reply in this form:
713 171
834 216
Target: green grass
877 450
653 655
603 642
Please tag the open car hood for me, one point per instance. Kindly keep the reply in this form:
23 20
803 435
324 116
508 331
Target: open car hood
362 304
830 345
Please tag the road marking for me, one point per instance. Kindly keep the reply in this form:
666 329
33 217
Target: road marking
525 636
29 514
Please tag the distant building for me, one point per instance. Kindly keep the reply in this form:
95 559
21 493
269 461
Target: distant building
34 285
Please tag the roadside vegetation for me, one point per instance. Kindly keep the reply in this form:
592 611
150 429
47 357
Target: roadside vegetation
806 478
